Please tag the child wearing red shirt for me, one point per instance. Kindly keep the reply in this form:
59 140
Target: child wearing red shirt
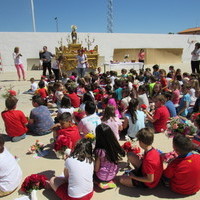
14 120
183 172
42 90
67 128
163 80
148 170
161 114
75 100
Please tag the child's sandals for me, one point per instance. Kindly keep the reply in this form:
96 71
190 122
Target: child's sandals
107 185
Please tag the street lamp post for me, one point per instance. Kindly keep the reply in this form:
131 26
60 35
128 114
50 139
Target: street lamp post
56 19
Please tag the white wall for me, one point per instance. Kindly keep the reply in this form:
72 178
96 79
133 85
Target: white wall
31 43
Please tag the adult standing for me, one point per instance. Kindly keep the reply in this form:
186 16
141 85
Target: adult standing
56 67
141 56
46 58
40 56
195 61
18 63
82 63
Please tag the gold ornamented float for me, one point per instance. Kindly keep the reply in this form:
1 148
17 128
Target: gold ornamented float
69 53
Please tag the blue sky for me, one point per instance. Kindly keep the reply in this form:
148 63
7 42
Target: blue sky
130 16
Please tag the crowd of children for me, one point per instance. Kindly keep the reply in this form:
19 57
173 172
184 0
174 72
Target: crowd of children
136 105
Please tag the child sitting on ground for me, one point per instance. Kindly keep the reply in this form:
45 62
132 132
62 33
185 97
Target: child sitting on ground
111 120
67 128
65 106
163 80
11 173
184 101
183 172
124 73
64 78
161 114
42 91
108 153
142 96
196 138
156 72
44 79
125 101
148 170
77 183
14 120
33 87
134 118
169 104
75 100
58 93
40 121
111 101
89 123
175 87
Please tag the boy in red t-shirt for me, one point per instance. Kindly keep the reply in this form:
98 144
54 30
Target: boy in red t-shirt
163 80
42 90
75 100
161 114
183 172
148 170
67 128
14 120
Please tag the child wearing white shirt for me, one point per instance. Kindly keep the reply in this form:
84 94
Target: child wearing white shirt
10 171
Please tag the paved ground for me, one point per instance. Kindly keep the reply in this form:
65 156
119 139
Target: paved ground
50 165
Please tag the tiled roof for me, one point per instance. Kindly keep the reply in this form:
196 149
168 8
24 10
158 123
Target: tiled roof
190 30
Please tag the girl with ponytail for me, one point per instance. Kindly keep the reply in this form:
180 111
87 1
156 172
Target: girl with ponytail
134 119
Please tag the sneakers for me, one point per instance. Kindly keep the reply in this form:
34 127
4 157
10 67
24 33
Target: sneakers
107 185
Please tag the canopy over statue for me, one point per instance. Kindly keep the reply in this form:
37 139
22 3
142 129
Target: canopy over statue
69 52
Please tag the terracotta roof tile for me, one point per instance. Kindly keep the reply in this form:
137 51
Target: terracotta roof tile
189 30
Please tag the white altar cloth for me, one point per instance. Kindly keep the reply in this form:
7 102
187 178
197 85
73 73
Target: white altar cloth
119 66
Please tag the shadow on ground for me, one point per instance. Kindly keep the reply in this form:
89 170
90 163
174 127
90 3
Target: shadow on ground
160 192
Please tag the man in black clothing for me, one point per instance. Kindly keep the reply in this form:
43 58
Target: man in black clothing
46 58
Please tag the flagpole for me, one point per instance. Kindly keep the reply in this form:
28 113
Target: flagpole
33 16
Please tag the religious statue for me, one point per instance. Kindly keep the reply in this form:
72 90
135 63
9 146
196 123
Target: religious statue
74 34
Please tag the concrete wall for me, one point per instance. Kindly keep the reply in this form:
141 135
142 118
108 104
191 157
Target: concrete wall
31 43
